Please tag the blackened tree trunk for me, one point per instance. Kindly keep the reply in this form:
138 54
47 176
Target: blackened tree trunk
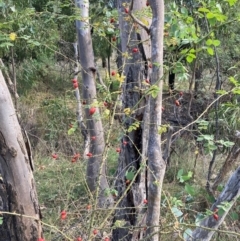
135 42
142 154
96 168
17 186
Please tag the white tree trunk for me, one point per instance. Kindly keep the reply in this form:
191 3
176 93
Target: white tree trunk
156 164
17 186
95 167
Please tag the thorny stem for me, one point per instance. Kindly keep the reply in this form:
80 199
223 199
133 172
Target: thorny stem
105 157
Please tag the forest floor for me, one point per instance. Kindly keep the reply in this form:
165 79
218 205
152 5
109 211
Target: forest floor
61 184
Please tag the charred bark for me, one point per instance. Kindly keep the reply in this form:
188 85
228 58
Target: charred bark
133 156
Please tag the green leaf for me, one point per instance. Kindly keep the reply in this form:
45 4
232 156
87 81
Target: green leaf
210 15
200 138
184 11
208 137
221 92
234 216
110 30
218 6
221 212
190 57
216 42
134 126
119 223
153 91
177 213
187 234
203 10
71 130
210 51
35 43
179 174
199 218
231 2
220 187
190 190
209 42
228 143
224 205
236 91
1 220
233 81
130 174
6 45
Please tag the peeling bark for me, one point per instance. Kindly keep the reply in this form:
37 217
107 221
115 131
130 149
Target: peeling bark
17 186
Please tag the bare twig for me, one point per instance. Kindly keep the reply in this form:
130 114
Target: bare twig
99 77
137 20
216 106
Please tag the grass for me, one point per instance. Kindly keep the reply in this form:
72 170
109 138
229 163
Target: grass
61 184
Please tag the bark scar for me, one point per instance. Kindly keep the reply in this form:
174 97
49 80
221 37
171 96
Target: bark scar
3 145
20 142
13 151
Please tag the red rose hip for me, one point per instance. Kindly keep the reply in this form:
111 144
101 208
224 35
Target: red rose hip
92 110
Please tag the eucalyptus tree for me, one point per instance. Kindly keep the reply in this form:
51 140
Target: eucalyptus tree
141 166
96 173
19 208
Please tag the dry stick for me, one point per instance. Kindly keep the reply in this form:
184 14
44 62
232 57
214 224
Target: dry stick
210 229
100 79
137 20
176 224
203 113
190 89
105 152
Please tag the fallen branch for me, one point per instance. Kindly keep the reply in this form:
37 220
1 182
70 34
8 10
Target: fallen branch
229 195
